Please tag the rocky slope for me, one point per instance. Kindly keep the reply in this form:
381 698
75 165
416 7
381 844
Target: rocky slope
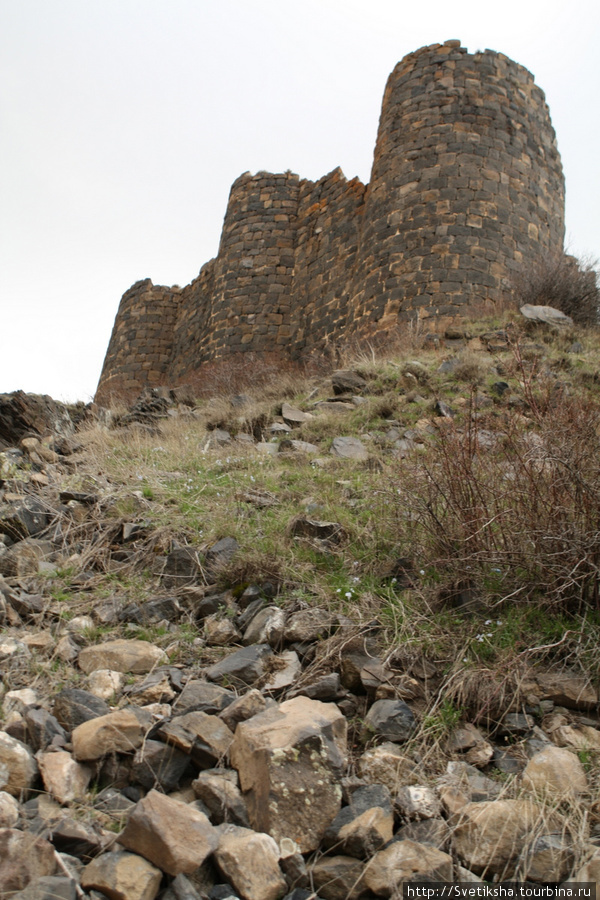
235 661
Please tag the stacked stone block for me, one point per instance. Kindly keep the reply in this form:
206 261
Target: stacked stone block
466 189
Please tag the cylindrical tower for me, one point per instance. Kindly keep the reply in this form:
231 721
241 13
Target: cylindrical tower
254 268
466 185
141 344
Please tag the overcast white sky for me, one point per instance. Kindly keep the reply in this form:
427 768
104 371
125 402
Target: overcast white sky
123 124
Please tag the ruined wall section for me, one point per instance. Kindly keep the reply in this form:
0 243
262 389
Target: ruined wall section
194 327
466 185
466 189
327 236
141 344
255 266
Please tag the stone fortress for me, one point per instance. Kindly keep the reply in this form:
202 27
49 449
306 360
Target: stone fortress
466 190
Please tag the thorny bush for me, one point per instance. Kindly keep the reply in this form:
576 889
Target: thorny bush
511 514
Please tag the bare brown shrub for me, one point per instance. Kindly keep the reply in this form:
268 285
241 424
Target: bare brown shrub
569 284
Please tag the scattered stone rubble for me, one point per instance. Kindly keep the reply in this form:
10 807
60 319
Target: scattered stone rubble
282 767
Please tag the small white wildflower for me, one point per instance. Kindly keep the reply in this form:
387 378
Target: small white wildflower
465 659
394 580
348 595
479 638
499 622
489 635
488 622
339 591
355 579
252 478
421 571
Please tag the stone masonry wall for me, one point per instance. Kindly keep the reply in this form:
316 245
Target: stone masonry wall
466 189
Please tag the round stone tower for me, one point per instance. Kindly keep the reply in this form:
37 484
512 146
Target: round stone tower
466 186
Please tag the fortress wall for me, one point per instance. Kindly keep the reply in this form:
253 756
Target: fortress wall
328 231
466 184
255 266
466 189
194 327
141 344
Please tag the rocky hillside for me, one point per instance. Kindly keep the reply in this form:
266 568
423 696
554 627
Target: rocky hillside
318 639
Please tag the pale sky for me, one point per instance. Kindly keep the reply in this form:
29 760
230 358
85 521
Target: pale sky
123 124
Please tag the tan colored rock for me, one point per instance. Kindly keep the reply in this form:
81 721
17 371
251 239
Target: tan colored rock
24 857
39 643
18 768
281 672
120 731
122 876
105 683
249 704
171 835
338 877
577 737
386 764
205 736
135 657
556 771
9 810
590 871
289 759
401 861
18 701
567 690
418 802
249 861
63 777
489 836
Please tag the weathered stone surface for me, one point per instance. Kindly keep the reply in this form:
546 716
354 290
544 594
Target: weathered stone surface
346 381
63 777
309 625
294 417
392 720
245 666
18 768
222 797
246 706
73 706
49 887
387 764
266 627
547 314
9 810
171 835
281 672
159 765
404 861
289 759
23 858
137 657
418 802
556 771
363 826
548 858
43 729
250 862
120 731
220 632
203 696
567 690
349 448
122 876
489 836
207 738
105 684
338 877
